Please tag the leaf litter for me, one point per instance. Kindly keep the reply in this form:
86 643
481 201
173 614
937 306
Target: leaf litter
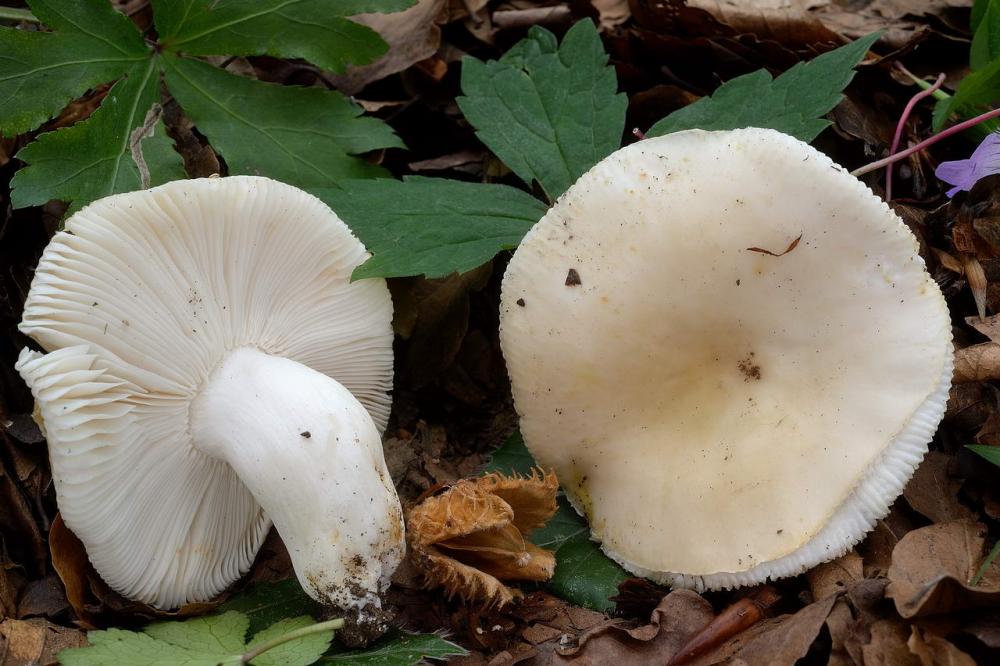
905 595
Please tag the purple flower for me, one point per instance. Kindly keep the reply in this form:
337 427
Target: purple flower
963 174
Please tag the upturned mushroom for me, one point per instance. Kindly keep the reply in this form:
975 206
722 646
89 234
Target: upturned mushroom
211 370
730 352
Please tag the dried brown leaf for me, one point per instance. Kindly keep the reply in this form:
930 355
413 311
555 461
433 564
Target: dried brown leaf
877 547
932 566
42 598
988 326
934 493
901 20
978 363
887 646
413 35
836 576
784 21
934 650
473 535
35 642
678 617
779 641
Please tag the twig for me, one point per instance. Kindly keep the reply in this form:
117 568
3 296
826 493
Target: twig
638 133
15 14
944 134
902 123
320 627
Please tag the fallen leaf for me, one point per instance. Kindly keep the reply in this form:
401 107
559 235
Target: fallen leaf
887 646
784 21
473 535
934 650
678 617
933 493
835 576
734 619
412 35
900 20
978 363
69 559
42 598
877 547
779 641
931 568
989 326
35 642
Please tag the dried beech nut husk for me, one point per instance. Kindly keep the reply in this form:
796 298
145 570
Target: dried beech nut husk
473 535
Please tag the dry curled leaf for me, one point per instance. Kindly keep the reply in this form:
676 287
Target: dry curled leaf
978 363
835 576
934 650
678 617
474 535
35 642
932 566
933 492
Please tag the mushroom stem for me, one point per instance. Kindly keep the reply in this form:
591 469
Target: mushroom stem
312 457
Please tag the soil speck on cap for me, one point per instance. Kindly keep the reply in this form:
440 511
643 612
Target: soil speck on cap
306 434
573 278
750 369
520 302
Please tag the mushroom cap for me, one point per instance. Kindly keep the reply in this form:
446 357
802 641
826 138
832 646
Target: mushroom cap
138 301
721 415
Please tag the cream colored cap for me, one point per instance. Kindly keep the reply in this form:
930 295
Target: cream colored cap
720 415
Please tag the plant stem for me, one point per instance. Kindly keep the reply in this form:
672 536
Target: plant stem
938 94
899 129
319 627
944 134
986 565
15 14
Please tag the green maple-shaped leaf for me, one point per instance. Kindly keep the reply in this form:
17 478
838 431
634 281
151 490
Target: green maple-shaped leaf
793 103
40 72
431 226
95 158
203 641
549 111
316 30
584 575
303 136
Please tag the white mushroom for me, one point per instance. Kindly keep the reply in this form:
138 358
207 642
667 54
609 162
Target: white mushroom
722 415
212 369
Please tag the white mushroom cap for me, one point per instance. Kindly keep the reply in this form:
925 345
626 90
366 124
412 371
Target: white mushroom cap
205 342
723 416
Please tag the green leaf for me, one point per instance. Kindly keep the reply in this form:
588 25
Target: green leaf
549 112
40 72
202 641
991 453
315 30
986 38
93 158
399 648
975 94
584 575
305 650
793 103
431 226
303 136
979 8
266 603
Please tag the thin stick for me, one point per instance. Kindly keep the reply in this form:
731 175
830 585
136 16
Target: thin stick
902 123
944 134
15 14
320 627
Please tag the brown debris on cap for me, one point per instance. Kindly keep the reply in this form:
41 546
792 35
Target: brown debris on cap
473 535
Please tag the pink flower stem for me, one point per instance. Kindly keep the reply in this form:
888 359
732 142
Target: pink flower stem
944 134
638 133
899 129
